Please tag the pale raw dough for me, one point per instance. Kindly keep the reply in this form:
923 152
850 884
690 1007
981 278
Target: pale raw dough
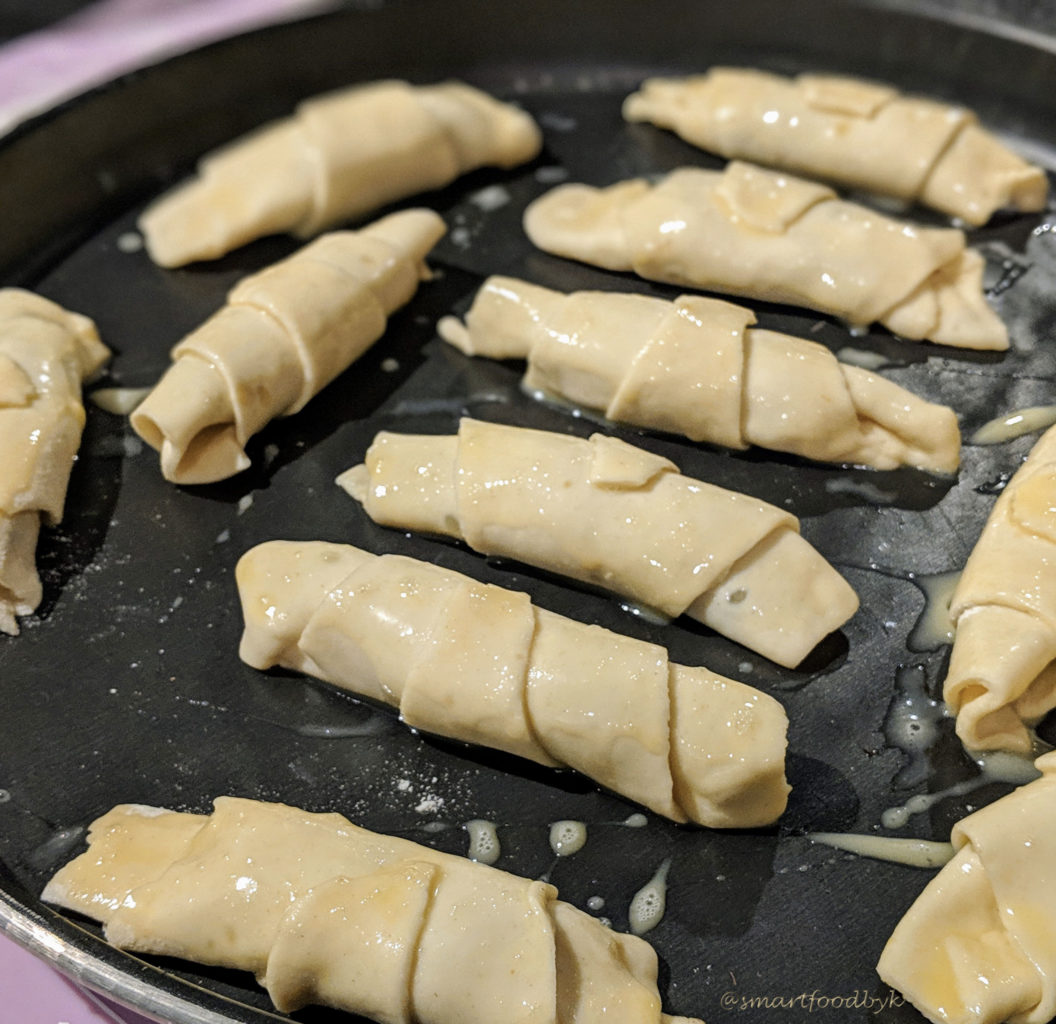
284 334
854 132
1001 679
617 517
979 944
769 236
322 911
342 155
483 665
696 367
46 354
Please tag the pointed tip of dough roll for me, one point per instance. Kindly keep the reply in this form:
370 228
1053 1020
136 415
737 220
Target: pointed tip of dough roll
581 222
412 232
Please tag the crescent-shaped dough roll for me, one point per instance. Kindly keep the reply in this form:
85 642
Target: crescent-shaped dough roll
769 236
322 911
341 155
1001 679
283 335
858 133
696 367
979 944
617 517
483 665
46 354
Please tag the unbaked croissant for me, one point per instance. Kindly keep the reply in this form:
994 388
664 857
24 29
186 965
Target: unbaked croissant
696 367
858 133
979 944
1002 676
284 334
46 354
483 665
343 154
766 235
615 516
325 912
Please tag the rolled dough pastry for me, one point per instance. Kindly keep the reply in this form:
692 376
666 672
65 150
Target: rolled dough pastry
979 944
324 912
283 335
341 155
766 235
483 665
854 132
696 367
46 354
1001 679
617 517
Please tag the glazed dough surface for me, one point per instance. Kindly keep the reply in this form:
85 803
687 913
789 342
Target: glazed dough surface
46 353
321 910
858 133
979 944
283 335
483 665
342 155
608 514
1001 679
769 236
697 367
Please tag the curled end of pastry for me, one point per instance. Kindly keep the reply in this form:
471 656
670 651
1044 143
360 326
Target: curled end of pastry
20 587
197 440
1001 679
728 745
584 223
781 599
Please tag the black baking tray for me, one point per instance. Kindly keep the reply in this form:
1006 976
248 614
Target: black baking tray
126 685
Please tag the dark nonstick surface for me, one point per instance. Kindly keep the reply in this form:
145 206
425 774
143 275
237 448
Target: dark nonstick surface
127 687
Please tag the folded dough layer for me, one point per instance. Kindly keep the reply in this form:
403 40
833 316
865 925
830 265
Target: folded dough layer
979 944
765 235
483 665
696 367
617 517
854 132
46 354
341 155
1001 679
284 334
321 910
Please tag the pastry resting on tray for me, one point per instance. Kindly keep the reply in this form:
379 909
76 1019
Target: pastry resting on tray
979 944
854 132
343 154
1002 680
482 664
697 367
770 236
324 912
284 334
46 354
617 517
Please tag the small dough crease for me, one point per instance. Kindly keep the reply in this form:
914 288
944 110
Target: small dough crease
850 131
766 235
283 335
979 944
46 355
696 367
616 517
1002 677
342 155
483 665
322 911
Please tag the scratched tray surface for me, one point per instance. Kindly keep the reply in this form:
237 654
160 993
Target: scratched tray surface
126 686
